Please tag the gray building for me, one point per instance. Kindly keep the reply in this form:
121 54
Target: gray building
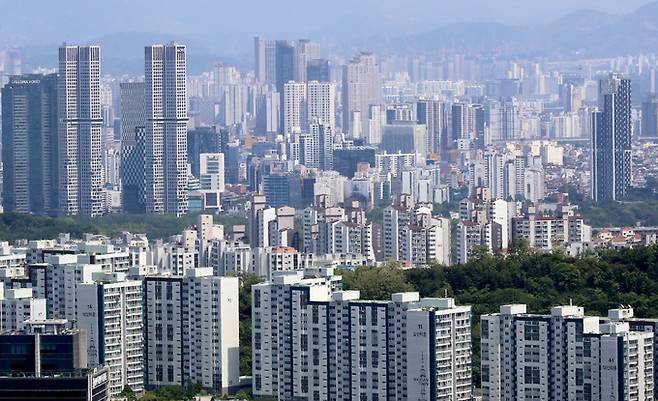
611 140
650 117
405 137
79 132
133 131
29 144
362 87
166 129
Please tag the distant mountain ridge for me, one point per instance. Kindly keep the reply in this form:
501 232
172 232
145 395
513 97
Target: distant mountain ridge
583 33
587 33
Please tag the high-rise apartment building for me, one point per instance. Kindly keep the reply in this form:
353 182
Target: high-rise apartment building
321 100
29 144
433 115
611 140
463 121
166 129
362 87
133 136
563 356
110 312
295 119
192 330
313 342
265 60
323 138
80 124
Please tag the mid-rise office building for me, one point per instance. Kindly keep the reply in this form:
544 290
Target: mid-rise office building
47 361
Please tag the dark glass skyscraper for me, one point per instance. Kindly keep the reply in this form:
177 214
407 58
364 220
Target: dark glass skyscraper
29 144
611 140
133 131
318 70
650 117
285 63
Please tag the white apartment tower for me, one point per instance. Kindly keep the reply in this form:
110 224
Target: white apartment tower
312 342
362 87
166 129
80 121
563 356
295 119
110 313
322 103
191 330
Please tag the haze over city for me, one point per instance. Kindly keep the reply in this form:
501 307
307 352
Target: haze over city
322 201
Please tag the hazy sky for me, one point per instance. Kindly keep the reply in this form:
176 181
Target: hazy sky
47 21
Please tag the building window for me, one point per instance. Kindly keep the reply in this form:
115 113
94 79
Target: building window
531 331
531 375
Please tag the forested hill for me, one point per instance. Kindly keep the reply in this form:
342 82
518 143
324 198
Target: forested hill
15 226
540 280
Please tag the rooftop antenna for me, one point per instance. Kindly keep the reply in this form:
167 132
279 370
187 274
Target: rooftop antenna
570 301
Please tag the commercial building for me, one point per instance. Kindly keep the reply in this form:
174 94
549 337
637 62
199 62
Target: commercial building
30 144
133 146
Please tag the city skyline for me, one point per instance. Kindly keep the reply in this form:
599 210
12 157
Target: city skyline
371 201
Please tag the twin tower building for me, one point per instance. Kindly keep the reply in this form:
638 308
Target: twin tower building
53 141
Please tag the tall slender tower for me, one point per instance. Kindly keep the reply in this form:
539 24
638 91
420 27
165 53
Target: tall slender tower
285 63
362 87
166 129
295 117
322 103
611 140
80 124
29 144
305 51
133 132
260 69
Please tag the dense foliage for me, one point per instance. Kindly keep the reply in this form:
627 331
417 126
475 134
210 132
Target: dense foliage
165 393
15 226
626 214
246 281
